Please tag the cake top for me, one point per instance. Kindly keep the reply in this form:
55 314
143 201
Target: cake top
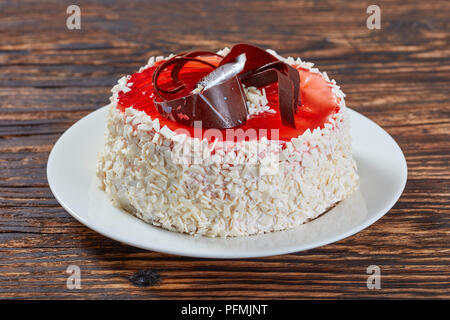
214 88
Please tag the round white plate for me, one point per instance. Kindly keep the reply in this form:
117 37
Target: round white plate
71 176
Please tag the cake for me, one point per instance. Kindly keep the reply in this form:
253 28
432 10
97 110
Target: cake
233 143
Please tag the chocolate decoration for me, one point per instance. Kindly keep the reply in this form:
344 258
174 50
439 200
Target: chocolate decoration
256 57
288 80
211 106
176 60
177 68
259 60
285 92
224 105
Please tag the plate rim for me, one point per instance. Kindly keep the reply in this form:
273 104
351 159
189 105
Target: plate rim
227 255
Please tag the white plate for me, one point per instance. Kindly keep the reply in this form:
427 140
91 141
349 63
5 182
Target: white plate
71 176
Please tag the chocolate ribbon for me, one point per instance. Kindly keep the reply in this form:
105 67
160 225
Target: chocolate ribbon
224 105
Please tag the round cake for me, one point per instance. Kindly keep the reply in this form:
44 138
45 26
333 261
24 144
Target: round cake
233 143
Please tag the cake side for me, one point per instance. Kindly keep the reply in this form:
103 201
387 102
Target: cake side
250 187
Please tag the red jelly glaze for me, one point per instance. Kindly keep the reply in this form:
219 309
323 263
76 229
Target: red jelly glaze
317 101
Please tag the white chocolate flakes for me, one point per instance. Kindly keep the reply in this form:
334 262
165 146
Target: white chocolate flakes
257 102
249 187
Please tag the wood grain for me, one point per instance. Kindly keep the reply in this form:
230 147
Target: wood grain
51 76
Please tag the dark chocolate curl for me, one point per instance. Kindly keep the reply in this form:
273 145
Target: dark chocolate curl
222 106
259 60
176 60
285 69
256 57
177 68
294 76
285 92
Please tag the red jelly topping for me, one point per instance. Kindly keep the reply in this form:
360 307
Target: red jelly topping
317 101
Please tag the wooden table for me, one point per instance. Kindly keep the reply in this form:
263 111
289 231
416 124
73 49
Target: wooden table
51 76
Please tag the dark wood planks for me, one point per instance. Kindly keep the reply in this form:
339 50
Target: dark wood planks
50 77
